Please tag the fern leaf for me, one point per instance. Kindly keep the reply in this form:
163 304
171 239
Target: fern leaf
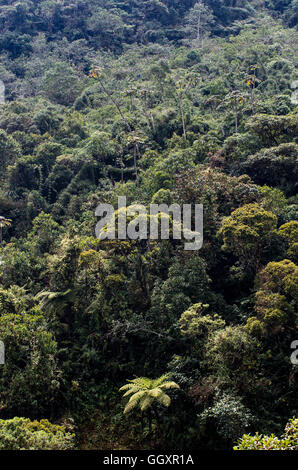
164 399
137 396
129 392
155 392
169 385
146 403
129 407
125 387
160 380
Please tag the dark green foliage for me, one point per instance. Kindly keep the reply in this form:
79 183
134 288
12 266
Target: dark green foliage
276 166
30 348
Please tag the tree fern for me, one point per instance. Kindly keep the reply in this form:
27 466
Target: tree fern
145 392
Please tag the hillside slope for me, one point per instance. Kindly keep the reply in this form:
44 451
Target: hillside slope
161 102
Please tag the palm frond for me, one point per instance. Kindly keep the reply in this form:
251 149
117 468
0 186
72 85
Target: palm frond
4 221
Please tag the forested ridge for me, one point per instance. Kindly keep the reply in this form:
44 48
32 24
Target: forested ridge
161 101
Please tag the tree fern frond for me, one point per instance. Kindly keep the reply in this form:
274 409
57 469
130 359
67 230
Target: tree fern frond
144 392
164 399
142 382
126 387
129 407
129 392
155 392
169 385
146 403
137 396
160 380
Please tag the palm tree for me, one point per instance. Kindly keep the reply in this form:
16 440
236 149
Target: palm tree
145 393
252 82
134 139
234 100
181 88
3 222
97 73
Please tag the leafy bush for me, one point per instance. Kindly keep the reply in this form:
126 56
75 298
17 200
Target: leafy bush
288 441
23 434
229 415
30 378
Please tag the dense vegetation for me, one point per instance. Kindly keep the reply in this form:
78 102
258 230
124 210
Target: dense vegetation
23 434
288 440
189 103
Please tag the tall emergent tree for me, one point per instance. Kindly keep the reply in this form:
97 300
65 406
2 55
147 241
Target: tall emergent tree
198 22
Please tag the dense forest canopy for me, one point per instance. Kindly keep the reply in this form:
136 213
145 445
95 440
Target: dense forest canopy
164 102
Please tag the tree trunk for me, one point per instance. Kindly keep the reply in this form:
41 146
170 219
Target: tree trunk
135 163
152 120
182 117
150 420
156 418
142 423
253 101
199 31
122 171
109 95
